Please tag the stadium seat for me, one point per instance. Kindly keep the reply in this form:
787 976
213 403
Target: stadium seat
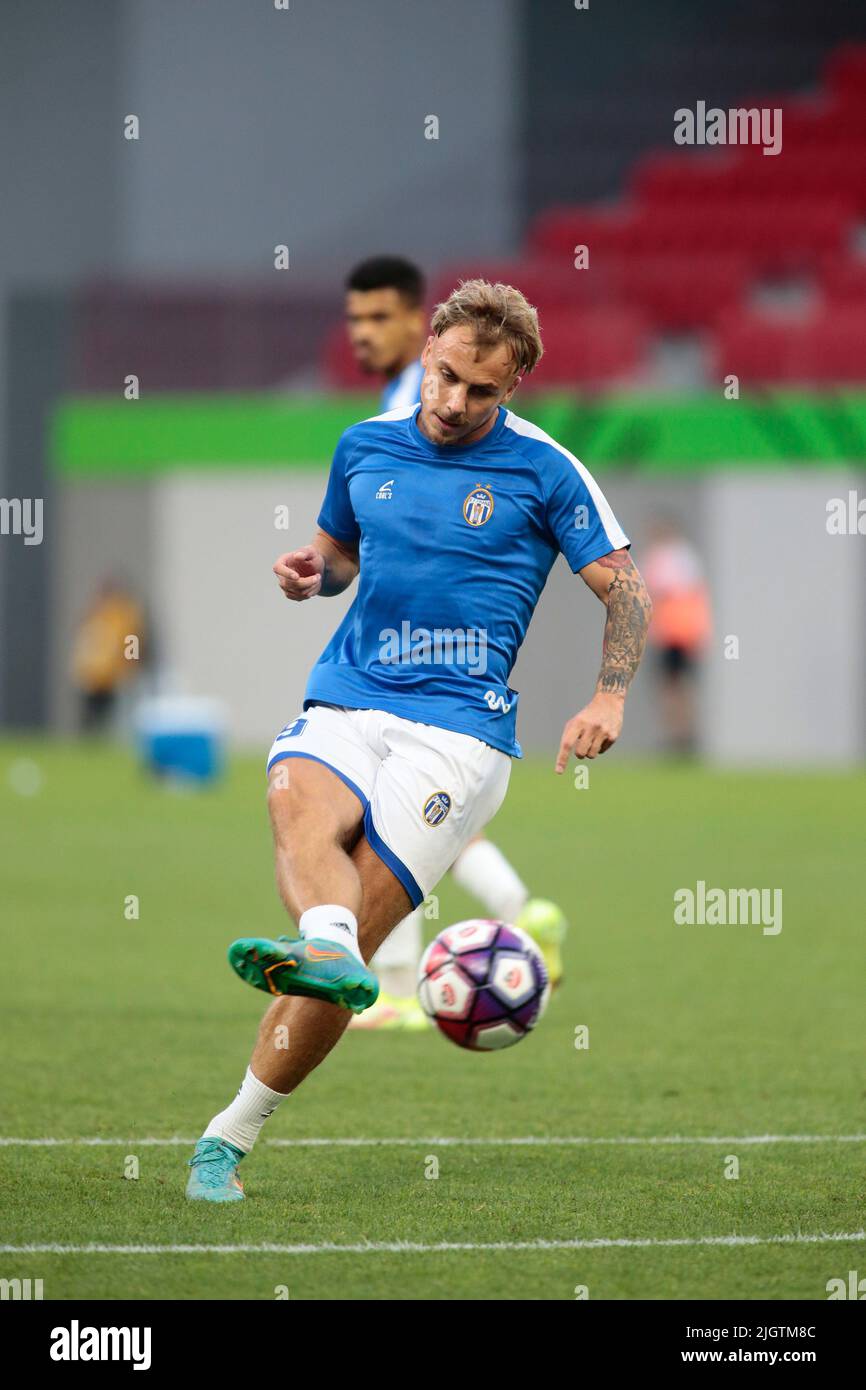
845 73
549 282
679 293
827 348
696 233
559 230
590 348
843 281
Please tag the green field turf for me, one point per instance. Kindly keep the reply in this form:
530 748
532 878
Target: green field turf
138 1029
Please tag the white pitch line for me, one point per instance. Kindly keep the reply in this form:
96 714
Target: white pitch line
541 1141
553 1141
441 1247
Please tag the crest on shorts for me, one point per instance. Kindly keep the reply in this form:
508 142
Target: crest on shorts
478 506
436 808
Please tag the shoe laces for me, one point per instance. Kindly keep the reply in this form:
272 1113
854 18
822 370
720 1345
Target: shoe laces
212 1162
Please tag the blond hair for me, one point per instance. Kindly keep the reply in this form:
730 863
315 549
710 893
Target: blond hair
496 314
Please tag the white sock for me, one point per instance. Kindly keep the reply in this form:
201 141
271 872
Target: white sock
241 1121
483 871
331 922
396 961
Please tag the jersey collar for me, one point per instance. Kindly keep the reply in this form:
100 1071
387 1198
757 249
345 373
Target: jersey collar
454 451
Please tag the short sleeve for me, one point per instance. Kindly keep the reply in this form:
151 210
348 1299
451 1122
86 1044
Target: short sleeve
337 516
578 513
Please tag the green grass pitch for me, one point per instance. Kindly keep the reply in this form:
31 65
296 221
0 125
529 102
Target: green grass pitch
137 1029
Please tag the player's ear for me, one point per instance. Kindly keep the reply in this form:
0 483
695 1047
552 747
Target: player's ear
511 390
425 352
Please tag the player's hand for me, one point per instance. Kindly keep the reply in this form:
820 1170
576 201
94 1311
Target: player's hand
300 573
593 730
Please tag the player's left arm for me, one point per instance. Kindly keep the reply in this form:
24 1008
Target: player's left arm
615 579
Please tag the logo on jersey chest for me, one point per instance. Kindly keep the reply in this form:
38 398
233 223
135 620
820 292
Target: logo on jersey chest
478 506
386 491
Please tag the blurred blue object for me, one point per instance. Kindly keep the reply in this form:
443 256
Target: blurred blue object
181 737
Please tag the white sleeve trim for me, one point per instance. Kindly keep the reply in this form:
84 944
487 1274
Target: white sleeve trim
614 532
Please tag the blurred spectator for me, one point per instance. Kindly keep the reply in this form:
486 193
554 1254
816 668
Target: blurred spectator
680 626
107 652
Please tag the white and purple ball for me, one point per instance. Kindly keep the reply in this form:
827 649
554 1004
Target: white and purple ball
483 983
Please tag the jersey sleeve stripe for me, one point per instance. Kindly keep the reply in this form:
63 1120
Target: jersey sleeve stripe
614 532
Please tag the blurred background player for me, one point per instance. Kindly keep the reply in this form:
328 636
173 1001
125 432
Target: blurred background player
100 665
387 330
680 628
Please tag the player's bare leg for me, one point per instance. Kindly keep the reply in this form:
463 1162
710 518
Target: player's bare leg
316 822
310 1027
396 968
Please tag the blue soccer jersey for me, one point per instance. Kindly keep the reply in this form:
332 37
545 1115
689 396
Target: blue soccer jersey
405 389
455 544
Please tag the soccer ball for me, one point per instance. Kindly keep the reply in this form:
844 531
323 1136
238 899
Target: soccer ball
483 983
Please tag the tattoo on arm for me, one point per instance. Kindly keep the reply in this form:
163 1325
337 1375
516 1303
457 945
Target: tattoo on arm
628 613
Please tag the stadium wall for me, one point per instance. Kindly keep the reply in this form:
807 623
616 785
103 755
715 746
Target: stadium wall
237 163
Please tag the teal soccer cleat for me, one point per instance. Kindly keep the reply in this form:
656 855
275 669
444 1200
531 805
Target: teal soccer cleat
214 1176
318 969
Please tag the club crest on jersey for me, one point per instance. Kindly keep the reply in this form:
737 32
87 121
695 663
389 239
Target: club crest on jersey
478 506
436 808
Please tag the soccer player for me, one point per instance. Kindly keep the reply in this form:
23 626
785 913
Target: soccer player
680 629
387 330
451 512
386 325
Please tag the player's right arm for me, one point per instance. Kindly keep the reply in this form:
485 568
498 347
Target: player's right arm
330 562
325 566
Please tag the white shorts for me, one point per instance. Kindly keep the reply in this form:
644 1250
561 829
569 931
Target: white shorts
425 791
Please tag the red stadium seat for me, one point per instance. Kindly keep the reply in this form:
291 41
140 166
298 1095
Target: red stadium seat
828 348
661 178
557 231
757 350
591 348
680 293
843 281
681 253
836 347
835 171
774 236
845 73
548 282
